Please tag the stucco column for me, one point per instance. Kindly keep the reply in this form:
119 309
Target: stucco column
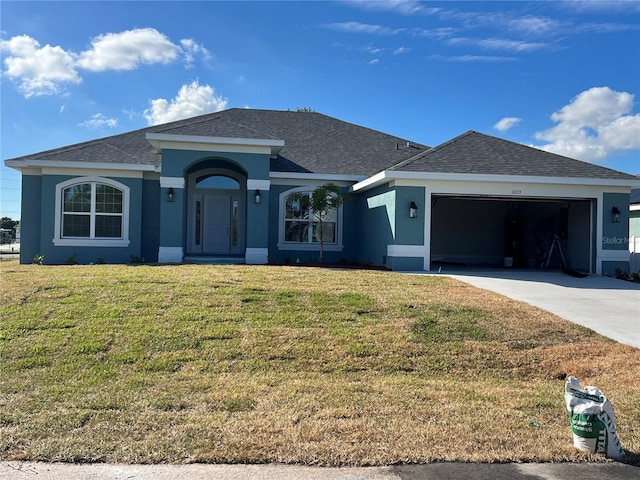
257 251
171 220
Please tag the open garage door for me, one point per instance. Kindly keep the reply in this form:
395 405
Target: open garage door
518 233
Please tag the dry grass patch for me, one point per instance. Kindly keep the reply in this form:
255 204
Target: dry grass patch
296 365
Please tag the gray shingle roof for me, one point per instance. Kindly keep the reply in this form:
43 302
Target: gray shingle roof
314 143
480 154
317 143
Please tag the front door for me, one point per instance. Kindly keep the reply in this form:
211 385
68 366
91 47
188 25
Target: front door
216 224
216 213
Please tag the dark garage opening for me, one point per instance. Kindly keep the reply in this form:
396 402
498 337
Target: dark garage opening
507 232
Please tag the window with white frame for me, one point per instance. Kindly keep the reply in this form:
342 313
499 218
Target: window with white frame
91 211
300 228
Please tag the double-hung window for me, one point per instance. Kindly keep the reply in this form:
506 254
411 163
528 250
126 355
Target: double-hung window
91 211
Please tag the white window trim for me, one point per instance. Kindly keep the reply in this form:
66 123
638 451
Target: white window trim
58 241
308 246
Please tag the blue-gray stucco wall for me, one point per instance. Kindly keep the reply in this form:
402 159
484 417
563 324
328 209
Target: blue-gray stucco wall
45 187
176 162
172 215
150 234
30 219
258 221
376 224
384 220
615 236
409 231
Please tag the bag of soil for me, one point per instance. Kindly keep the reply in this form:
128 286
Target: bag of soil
592 420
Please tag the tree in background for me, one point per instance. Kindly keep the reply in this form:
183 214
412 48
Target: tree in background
6 222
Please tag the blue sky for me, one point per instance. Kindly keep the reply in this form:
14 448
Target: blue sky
563 75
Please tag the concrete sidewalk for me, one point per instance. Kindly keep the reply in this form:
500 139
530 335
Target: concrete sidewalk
10 248
608 306
434 471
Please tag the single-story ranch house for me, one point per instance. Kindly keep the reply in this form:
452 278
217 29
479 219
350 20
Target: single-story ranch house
219 187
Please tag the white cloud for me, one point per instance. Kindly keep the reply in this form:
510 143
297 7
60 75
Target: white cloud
46 70
507 123
534 25
193 99
37 70
369 48
403 7
375 61
497 44
472 58
589 6
357 27
401 50
126 50
437 33
191 49
597 123
99 121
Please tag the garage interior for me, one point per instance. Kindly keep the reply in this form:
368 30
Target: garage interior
500 232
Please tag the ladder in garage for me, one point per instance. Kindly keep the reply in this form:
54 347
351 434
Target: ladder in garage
554 245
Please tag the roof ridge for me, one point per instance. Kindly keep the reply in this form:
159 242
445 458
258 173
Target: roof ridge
430 150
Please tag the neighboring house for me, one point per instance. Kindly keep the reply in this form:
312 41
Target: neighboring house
217 187
6 235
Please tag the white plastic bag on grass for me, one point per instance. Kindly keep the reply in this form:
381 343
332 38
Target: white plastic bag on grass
592 420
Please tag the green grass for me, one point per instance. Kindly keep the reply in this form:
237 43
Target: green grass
289 364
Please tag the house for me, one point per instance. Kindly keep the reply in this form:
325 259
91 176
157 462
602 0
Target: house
218 187
6 235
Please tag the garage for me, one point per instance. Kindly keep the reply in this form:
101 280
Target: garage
511 232
481 201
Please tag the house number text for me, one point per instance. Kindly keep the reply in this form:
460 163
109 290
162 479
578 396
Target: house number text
516 192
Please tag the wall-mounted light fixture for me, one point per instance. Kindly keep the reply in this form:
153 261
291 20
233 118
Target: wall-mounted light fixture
258 196
413 210
171 194
615 215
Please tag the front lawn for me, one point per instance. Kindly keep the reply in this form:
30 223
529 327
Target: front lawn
198 363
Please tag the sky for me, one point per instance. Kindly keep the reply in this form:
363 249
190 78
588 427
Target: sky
563 76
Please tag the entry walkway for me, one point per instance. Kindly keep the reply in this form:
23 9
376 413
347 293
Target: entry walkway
608 306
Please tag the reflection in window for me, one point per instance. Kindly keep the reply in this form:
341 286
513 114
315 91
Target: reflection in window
217 181
198 221
234 223
301 226
92 210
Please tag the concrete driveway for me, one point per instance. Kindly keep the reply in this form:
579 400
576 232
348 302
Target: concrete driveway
609 306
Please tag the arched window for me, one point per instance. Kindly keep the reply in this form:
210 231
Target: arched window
92 211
